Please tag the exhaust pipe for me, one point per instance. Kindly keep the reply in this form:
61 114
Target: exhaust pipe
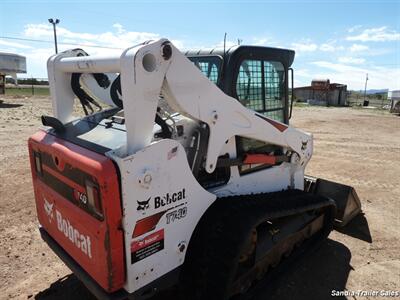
347 201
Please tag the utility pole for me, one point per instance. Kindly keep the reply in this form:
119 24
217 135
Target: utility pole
366 102
224 43
55 22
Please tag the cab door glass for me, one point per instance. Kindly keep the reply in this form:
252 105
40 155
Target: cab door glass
274 81
209 65
249 85
260 86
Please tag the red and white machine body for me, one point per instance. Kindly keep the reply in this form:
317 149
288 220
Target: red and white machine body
126 215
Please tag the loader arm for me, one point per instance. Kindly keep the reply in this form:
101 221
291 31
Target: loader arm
225 116
155 68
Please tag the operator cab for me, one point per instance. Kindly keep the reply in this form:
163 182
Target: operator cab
256 76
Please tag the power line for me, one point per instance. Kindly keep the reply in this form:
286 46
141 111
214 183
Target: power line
115 48
354 65
51 42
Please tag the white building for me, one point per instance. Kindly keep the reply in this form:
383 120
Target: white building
394 97
10 64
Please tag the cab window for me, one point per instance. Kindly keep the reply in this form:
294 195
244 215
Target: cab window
260 86
209 66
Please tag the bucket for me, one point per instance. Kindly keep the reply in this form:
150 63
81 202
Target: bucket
347 201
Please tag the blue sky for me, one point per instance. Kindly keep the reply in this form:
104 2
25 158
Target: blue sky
339 40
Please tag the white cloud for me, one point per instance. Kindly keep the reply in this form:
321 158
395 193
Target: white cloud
351 60
178 44
119 39
378 34
303 76
36 61
305 46
303 73
113 41
261 41
38 30
358 48
327 47
308 46
14 44
354 76
354 28
330 46
119 27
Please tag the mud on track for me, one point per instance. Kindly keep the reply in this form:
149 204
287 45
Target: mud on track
353 146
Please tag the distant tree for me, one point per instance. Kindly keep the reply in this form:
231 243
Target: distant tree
33 81
10 80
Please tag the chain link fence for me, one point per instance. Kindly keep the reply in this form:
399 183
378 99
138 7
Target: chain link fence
27 87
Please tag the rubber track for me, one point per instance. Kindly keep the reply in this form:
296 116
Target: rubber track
216 243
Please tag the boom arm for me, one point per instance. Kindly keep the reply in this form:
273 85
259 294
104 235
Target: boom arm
158 67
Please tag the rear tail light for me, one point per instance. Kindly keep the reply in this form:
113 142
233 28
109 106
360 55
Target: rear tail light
93 198
38 162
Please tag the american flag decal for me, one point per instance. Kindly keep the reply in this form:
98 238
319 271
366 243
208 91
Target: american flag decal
172 153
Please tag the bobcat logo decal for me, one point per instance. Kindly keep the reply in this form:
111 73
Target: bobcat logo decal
48 208
143 205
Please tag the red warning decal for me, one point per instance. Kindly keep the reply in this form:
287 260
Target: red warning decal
147 224
147 246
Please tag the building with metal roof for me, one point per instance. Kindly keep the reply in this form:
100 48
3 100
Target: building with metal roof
10 64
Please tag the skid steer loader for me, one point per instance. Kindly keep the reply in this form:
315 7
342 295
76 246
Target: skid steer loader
184 171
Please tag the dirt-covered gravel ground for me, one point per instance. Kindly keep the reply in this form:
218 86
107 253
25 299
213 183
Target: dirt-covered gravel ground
359 147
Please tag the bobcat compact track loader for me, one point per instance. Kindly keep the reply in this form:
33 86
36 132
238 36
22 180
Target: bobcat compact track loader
190 176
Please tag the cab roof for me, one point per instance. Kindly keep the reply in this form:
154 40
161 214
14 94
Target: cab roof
284 55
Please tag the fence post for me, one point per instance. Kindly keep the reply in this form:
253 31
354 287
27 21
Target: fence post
33 89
